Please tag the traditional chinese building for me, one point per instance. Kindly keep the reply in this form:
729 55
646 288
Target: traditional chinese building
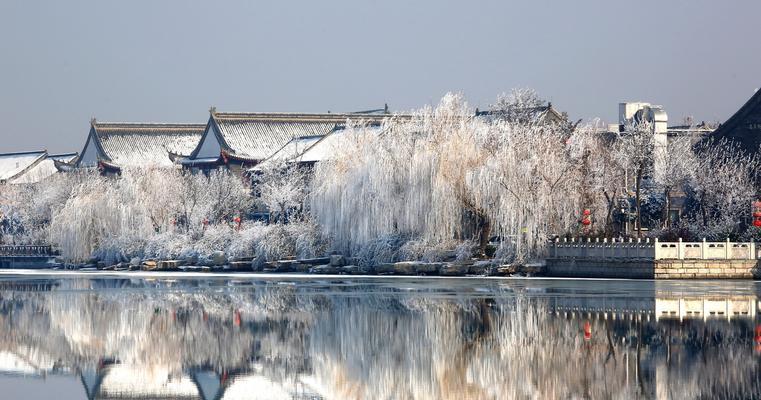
744 127
30 167
242 140
113 146
543 114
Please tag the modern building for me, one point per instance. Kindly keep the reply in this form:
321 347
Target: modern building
113 146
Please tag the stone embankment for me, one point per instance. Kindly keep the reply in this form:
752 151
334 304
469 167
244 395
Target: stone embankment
332 265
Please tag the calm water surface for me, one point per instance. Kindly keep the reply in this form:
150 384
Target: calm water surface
90 337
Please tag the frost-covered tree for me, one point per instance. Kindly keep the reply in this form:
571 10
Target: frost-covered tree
602 172
226 195
281 188
723 189
677 168
520 105
636 145
446 175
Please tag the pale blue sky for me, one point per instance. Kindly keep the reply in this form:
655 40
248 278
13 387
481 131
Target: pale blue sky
63 62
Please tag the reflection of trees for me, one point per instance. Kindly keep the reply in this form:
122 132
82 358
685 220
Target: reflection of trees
348 343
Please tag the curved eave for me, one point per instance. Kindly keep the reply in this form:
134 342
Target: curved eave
228 157
107 166
190 162
62 166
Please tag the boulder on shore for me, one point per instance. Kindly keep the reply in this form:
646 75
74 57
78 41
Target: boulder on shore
218 258
324 269
356 270
384 268
406 267
454 269
482 267
428 268
337 260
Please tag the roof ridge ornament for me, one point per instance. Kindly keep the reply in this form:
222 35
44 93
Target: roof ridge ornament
212 110
93 121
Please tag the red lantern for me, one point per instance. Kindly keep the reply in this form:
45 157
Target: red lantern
587 222
757 223
587 212
587 330
757 214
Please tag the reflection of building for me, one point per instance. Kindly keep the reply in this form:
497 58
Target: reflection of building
116 381
708 307
665 304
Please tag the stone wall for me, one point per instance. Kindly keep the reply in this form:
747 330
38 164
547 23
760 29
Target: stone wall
653 269
707 269
600 268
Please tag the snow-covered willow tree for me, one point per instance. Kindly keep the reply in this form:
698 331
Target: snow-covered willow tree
444 174
26 210
119 214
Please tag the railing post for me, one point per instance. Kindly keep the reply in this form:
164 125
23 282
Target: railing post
680 249
752 255
655 250
703 250
726 250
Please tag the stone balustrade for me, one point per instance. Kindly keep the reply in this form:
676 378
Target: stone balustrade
588 248
602 248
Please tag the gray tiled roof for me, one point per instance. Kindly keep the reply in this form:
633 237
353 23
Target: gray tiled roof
257 136
141 144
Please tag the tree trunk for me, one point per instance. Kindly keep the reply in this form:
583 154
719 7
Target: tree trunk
665 221
611 202
484 227
637 201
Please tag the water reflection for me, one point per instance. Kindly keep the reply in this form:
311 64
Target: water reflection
384 339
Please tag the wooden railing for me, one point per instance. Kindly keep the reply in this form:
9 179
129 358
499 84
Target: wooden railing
26 251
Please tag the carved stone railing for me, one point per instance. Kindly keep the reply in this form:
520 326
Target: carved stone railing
26 251
602 248
654 250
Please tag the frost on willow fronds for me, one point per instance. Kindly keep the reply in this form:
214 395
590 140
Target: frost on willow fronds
100 211
445 175
117 217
